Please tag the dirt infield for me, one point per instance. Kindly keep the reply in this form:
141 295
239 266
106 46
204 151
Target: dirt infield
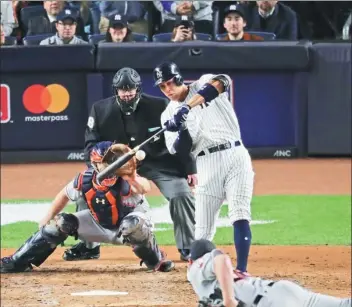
321 268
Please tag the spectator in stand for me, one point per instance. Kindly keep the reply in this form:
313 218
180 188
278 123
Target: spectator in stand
2 36
273 16
118 30
234 23
8 20
135 12
47 23
66 25
200 11
183 29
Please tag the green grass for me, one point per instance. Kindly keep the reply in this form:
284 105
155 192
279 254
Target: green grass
300 220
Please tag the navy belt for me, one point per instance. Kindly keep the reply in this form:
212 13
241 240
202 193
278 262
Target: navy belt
220 147
259 297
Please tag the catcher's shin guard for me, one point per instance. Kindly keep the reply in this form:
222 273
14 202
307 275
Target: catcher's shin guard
152 256
34 251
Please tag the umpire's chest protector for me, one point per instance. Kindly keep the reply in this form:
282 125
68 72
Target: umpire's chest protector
105 203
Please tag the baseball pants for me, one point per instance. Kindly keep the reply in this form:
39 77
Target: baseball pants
181 204
226 174
288 294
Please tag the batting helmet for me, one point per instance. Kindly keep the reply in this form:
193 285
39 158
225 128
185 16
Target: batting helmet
126 79
96 156
200 248
167 71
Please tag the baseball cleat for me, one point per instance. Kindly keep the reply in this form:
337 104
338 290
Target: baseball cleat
241 274
81 252
7 265
184 254
166 266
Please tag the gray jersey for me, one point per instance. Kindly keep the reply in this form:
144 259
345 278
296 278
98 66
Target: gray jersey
257 292
56 40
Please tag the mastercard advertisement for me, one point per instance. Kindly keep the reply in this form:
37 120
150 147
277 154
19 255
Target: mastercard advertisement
46 102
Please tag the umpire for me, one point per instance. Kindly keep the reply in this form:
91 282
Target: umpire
130 117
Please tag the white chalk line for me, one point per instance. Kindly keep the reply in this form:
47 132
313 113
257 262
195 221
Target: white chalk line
34 212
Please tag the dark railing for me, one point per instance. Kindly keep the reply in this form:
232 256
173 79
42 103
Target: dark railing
292 98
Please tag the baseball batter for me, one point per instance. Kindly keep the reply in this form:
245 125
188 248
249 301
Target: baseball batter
210 273
210 131
116 215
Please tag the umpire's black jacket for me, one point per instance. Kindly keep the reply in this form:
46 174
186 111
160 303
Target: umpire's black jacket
106 123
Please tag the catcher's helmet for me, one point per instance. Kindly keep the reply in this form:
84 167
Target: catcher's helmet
96 156
98 151
126 79
167 71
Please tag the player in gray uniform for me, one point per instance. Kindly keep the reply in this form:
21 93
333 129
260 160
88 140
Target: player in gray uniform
212 277
114 215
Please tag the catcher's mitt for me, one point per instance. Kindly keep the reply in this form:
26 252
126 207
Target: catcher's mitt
114 152
215 300
208 302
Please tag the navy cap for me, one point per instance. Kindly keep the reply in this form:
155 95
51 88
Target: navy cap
184 20
66 14
235 8
118 20
201 247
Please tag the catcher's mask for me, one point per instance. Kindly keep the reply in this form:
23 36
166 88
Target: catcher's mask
96 159
127 79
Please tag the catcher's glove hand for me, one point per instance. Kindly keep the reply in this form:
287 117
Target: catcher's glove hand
208 302
215 300
114 152
68 223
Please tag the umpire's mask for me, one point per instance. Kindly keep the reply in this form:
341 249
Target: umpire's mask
126 86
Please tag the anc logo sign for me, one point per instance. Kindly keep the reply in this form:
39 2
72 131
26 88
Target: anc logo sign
53 98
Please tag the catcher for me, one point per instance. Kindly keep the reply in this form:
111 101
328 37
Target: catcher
111 218
212 277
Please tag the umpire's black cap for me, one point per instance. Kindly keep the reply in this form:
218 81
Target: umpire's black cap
200 248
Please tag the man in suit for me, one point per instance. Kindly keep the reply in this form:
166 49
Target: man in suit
130 117
272 16
47 22
234 23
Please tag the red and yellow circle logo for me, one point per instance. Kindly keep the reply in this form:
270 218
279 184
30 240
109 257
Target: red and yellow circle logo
53 98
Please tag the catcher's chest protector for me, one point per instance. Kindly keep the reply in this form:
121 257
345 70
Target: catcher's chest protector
104 202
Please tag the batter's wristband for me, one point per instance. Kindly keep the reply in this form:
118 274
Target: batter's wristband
208 92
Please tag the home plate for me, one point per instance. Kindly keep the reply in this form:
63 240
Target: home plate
98 293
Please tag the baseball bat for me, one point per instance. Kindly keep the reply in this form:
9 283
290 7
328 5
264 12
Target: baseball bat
110 169
126 157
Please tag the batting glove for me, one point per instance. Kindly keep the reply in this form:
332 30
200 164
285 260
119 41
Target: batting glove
178 120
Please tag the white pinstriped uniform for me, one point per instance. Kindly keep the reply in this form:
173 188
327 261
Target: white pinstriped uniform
226 174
